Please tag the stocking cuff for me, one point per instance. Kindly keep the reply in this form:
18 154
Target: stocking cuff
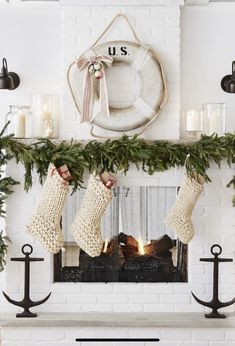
193 185
52 171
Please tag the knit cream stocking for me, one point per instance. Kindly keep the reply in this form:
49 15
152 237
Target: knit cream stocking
45 223
86 226
179 218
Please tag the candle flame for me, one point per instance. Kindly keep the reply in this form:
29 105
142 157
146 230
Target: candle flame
141 247
106 242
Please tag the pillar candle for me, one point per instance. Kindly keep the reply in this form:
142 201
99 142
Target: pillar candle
212 124
20 125
193 120
47 121
46 115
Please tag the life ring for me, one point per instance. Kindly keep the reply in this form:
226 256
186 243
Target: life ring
153 94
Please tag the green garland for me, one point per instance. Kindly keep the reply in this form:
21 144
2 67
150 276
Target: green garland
6 189
118 154
111 155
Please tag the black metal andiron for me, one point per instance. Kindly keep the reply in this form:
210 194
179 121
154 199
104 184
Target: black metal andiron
215 303
26 302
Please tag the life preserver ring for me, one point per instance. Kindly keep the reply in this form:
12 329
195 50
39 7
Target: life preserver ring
153 95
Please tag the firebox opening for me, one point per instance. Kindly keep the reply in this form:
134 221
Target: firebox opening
137 245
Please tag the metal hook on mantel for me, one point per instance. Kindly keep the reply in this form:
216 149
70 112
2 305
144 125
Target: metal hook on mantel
26 303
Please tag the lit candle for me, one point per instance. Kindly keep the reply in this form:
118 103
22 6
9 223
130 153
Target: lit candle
48 131
20 125
47 116
47 122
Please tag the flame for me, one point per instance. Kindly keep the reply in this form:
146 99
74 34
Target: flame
106 242
141 247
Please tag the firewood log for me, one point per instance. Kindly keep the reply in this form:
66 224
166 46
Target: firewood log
128 244
115 251
159 247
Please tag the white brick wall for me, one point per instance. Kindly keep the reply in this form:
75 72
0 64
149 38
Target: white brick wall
169 337
213 217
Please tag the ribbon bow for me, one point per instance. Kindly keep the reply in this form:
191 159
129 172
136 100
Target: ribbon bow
94 66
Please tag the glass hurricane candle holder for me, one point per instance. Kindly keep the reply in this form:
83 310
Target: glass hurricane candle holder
193 124
45 109
214 118
21 121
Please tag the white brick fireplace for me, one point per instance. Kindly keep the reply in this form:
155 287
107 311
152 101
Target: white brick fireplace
213 218
158 24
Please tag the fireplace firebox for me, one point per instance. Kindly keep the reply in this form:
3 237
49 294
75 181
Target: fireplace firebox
137 245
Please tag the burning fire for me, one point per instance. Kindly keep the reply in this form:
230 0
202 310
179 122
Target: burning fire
141 247
106 242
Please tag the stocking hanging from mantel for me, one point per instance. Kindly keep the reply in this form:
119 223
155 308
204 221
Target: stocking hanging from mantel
179 218
86 226
45 223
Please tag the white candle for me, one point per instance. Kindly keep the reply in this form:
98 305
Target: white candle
46 115
48 132
214 118
212 124
192 120
47 122
20 125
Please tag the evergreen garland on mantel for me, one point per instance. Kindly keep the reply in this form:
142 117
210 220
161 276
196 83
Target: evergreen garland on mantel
117 155
111 155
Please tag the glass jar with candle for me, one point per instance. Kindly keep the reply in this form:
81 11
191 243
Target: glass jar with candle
193 124
45 109
214 118
21 121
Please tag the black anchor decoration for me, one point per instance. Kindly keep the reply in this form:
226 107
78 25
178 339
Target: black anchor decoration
26 302
215 303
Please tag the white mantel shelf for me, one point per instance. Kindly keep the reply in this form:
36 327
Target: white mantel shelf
57 141
119 320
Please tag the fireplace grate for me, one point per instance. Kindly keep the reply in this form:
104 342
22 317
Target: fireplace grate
146 252
113 268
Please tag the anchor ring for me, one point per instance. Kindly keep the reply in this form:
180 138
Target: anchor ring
26 252
214 252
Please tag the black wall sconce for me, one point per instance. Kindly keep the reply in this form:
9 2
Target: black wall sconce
228 82
8 80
